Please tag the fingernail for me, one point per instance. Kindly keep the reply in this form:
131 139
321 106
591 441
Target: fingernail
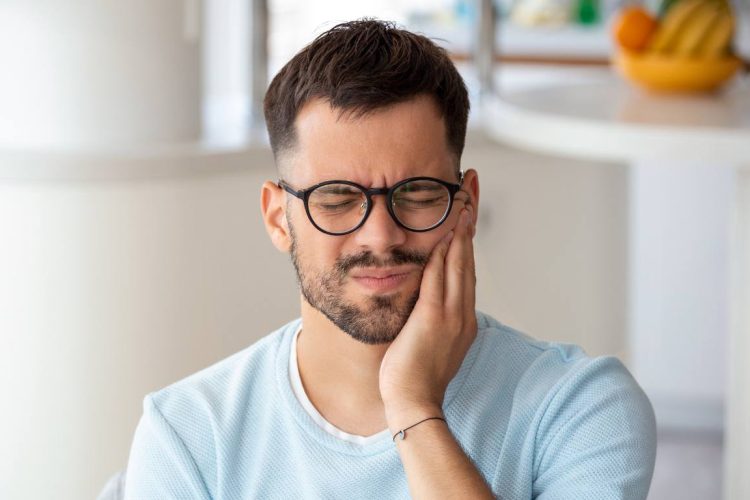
467 218
448 237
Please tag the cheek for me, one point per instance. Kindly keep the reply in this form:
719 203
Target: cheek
321 251
426 242
449 225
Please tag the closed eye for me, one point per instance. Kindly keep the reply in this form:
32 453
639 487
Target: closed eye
337 206
420 203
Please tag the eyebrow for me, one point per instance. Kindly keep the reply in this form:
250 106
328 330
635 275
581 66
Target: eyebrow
338 189
423 186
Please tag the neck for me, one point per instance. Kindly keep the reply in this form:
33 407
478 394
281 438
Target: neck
340 374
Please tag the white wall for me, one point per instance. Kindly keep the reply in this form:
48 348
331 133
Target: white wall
552 245
737 449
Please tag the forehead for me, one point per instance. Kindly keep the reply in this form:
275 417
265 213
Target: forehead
379 148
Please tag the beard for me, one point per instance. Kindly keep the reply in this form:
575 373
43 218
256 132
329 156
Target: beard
380 319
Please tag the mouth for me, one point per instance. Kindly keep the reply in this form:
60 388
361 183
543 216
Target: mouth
381 280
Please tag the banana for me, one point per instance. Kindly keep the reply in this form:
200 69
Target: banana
695 29
719 37
672 24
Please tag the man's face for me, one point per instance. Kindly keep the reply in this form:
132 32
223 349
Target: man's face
366 282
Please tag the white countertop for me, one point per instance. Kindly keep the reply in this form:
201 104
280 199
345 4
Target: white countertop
612 120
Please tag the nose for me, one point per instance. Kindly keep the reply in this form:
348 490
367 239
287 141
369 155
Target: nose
380 233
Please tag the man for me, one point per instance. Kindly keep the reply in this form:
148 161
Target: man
390 385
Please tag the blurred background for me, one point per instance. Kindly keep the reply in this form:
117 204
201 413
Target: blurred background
132 252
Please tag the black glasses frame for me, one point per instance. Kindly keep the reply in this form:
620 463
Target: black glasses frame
304 195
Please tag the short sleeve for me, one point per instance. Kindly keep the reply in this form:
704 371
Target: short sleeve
597 439
160 465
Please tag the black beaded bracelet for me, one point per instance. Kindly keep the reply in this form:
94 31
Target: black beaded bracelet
402 432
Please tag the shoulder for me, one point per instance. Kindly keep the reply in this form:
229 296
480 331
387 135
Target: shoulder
180 438
548 379
564 404
551 366
516 345
216 392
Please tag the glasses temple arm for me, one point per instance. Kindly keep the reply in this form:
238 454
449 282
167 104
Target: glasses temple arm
286 187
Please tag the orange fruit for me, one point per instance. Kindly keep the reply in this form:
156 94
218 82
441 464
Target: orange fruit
633 27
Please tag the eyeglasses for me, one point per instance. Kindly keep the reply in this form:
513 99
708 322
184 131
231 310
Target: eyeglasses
417 204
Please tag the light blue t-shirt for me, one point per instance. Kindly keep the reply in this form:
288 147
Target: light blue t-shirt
539 420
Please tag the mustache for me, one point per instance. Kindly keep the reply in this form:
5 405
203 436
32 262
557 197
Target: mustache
367 259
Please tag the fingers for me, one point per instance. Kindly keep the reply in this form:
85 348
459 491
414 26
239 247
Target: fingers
433 277
463 198
460 278
470 277
449 280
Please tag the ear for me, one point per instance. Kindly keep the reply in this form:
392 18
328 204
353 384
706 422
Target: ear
471 187
273 210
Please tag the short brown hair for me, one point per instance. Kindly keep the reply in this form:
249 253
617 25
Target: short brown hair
361 66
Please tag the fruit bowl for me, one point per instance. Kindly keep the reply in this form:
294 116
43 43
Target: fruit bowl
663 72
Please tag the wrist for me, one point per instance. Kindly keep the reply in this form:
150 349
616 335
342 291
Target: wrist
400 416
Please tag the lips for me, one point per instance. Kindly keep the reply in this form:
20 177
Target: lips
380 273
381 280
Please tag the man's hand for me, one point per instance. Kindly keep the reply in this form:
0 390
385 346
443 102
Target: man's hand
426 355
428 351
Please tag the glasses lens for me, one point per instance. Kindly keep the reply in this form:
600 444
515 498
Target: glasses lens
337 208
421 204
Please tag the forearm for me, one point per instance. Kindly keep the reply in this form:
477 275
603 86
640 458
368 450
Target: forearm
436 466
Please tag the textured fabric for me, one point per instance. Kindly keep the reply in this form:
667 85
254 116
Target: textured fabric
299 393
539 420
